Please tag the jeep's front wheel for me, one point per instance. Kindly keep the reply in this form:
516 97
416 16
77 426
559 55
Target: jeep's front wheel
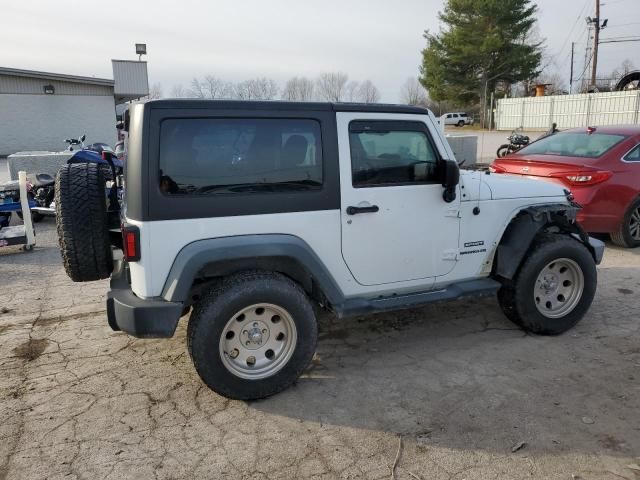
252 335
553 288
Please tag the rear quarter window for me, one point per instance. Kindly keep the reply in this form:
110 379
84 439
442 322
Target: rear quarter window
239 155
633 155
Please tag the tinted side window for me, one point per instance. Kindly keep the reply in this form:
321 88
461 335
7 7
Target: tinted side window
633 155
391 153
222 155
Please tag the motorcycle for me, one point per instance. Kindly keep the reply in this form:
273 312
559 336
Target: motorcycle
516 141
41 188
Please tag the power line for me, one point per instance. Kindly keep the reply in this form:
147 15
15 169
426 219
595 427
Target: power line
586 67
573 28
620 39
623 25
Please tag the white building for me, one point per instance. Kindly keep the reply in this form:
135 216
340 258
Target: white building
39 110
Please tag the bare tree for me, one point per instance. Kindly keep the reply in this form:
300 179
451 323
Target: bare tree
351 91
210 87
155 91
368 92
257 89
197 89
330 86
554 81
413 93
625 67
178 91
216 88
298 89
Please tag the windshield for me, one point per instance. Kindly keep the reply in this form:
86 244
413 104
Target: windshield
573 144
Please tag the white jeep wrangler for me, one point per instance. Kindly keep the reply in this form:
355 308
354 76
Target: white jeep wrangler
249 214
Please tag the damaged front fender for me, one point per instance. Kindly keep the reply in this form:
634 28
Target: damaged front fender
531 221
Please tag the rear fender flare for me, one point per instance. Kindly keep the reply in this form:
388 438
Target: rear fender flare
228 255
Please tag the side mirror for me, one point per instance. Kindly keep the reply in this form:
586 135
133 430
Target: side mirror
82 138
450 180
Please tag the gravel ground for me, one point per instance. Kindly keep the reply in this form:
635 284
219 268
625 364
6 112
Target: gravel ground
464 393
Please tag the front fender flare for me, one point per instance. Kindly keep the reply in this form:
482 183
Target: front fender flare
523 228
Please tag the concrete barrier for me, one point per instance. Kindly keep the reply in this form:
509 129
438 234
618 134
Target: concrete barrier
465 147
37 162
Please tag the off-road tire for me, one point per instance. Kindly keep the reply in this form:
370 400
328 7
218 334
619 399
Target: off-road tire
516 297
81 221
220 303
623 237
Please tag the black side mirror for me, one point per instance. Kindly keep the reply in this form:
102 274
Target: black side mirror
450 180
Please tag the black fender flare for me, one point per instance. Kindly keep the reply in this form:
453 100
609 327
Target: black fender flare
222 253
527 223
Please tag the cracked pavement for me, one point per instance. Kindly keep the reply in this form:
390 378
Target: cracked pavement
456 385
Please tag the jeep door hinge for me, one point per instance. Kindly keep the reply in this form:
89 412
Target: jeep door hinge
452 212
451 255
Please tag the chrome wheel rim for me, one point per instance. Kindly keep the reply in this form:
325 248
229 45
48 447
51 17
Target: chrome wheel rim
258 341
558 288
634 224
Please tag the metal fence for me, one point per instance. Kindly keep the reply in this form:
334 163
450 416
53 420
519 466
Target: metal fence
568 111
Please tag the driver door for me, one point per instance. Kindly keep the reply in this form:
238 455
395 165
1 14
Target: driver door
396 226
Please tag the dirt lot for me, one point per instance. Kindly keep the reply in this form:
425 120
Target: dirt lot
457 385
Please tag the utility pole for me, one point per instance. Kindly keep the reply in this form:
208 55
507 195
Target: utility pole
596 39
573 44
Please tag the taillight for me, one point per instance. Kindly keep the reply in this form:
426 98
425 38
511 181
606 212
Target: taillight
131 243
581 178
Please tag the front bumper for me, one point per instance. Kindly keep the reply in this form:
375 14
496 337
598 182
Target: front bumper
597 248
143 318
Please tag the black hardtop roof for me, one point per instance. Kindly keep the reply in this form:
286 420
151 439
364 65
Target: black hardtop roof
281 105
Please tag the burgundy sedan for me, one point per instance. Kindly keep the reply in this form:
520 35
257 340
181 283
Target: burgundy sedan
601 167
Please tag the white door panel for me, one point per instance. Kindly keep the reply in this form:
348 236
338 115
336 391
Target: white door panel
161 241
413 235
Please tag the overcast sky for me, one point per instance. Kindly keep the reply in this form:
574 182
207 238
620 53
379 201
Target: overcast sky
378 40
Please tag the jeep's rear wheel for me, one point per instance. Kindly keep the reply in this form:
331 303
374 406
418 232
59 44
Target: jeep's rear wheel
553 288
81 221
252 335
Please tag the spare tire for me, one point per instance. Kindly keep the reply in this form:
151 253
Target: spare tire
81 220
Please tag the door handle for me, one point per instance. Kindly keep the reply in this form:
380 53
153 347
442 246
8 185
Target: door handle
357 210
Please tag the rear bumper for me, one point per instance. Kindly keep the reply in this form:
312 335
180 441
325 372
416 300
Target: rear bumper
143 318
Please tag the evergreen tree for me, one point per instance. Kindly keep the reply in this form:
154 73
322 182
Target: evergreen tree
483 42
